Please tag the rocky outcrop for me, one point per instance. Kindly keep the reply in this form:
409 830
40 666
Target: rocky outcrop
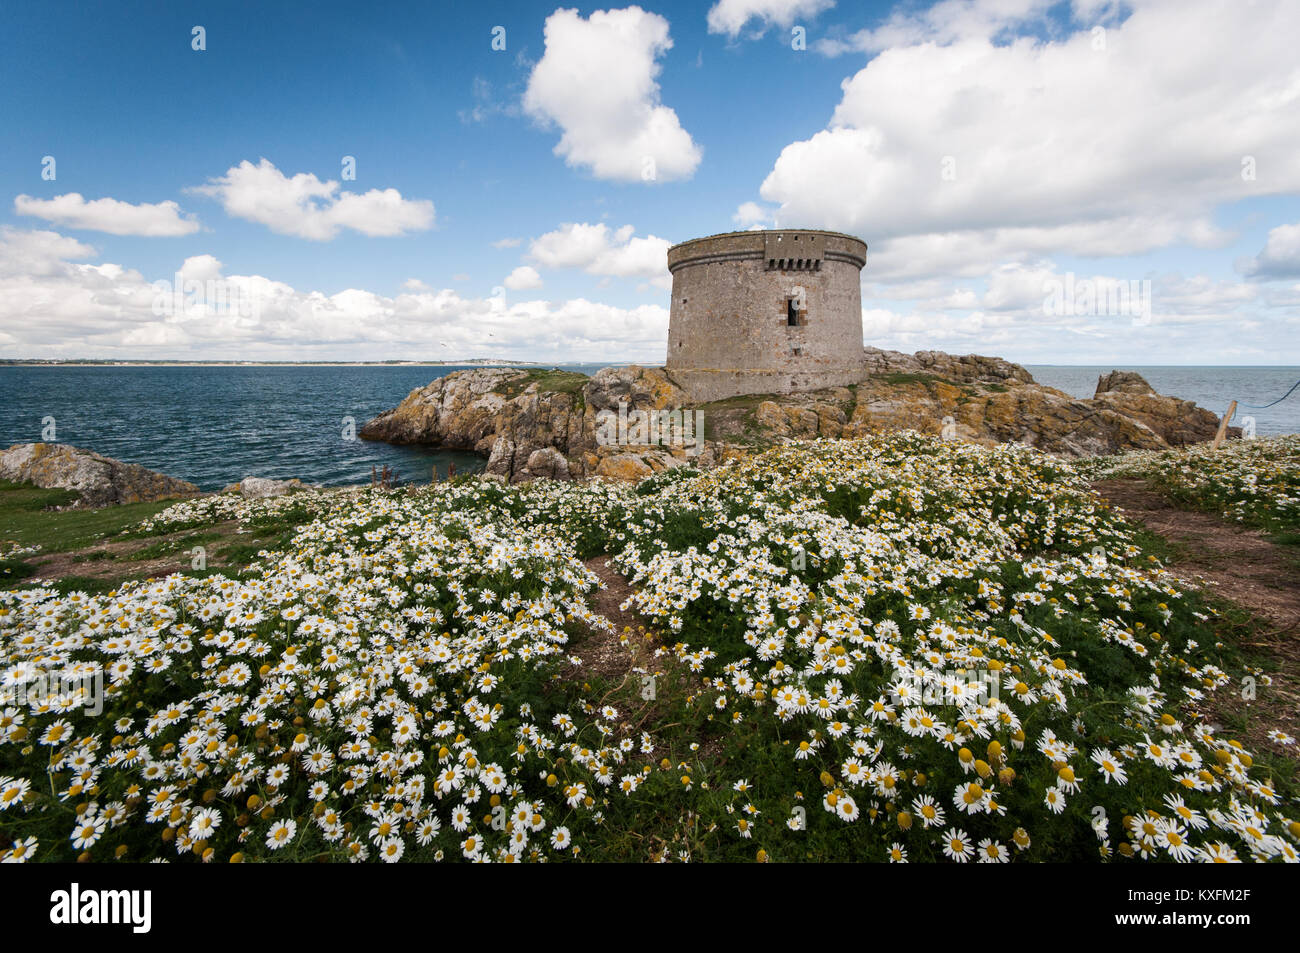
1126 382
966 367
1177 422
97 479
1030 414
258 488
986 403
532 424
504 414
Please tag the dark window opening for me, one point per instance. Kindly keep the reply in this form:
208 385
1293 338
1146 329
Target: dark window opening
791 313
798 352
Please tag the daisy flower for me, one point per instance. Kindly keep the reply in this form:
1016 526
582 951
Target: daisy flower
1055 800
1109 766
957 845
281 834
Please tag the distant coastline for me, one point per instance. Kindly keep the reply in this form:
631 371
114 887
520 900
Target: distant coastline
490 362
473 362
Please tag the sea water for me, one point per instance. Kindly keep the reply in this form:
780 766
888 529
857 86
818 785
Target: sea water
215 425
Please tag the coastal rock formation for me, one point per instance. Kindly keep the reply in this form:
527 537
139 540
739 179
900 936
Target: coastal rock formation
1177 422
504 414
1126 382
531 424
97 479
257 488
544 424
967 367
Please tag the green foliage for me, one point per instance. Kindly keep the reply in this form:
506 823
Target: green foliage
553 381
26 518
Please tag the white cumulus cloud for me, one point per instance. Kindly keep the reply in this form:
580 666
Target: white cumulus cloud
159 219
1280 257
596 81
730 16
599 250
304 206
1125 144
750 214
523 278
54 305
38 253
950 20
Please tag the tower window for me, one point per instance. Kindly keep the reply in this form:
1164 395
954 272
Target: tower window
791 313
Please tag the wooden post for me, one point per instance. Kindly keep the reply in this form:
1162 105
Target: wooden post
1223 425
435 474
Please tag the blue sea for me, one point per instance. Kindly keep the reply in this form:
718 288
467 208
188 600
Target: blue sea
216 425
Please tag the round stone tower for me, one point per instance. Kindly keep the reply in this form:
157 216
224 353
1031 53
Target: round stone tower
765 312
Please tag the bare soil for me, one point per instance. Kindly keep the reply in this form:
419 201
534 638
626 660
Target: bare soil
114 561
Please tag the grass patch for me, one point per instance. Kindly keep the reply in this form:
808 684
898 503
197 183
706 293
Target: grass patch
736 420
13 570
552 381
26 519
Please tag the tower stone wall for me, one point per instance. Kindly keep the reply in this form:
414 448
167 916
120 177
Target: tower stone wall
761 312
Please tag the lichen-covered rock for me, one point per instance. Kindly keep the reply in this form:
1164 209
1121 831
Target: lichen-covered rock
966 367
1031 414
528 431
624 466
1128 382
97 479
546 463
1177 422
501 413
641 388
257 488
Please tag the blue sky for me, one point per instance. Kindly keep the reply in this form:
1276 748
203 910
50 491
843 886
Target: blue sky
502 205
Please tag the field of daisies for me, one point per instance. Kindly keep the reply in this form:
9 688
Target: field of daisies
893 649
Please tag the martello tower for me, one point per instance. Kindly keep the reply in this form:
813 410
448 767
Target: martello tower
763 312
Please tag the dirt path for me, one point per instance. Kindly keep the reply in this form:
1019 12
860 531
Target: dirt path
1233 562
117 560
1241 566
601 651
